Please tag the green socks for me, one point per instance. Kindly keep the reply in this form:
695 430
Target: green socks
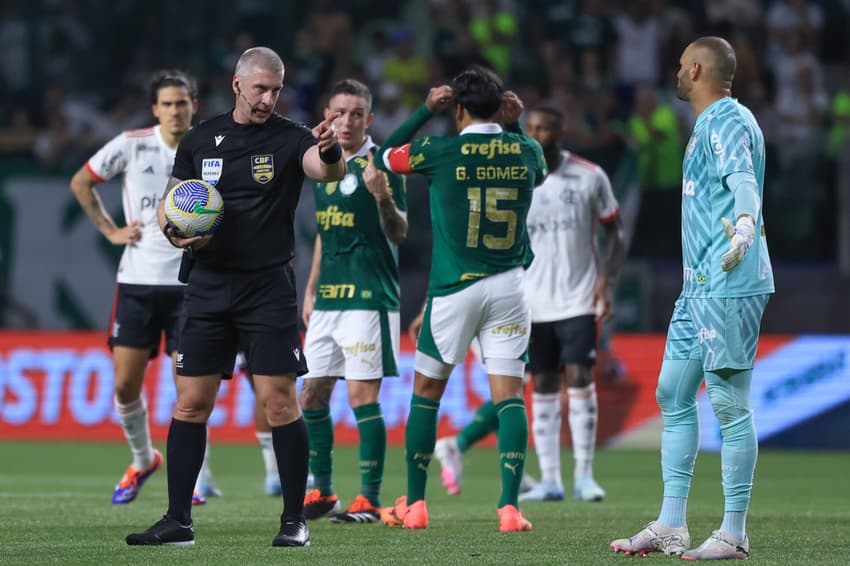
419 439
485 421
513 443
320 428
373 450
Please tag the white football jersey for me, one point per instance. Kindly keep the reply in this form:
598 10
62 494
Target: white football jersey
562 224
145 161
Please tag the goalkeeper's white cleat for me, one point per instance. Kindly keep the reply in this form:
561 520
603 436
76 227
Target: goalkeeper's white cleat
720 546
655 537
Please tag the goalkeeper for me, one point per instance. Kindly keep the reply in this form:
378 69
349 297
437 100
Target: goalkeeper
714 330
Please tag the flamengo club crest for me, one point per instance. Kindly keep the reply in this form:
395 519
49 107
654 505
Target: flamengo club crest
211 170
262 168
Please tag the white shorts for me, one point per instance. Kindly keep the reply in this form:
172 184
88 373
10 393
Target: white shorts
493 310
354 344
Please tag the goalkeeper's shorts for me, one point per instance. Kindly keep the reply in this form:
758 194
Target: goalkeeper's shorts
722 333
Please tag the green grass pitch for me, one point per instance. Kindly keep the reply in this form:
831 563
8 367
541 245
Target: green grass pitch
55 509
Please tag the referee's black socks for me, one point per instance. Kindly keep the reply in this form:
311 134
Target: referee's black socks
186 445
292 451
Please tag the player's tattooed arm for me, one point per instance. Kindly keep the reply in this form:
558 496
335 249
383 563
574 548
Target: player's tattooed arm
392 219
82 185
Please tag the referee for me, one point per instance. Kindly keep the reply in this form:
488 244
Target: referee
241 288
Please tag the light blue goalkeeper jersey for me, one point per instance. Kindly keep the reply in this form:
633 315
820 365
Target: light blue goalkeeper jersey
726 140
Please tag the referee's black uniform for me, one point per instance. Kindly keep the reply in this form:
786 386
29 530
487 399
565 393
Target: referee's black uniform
241 290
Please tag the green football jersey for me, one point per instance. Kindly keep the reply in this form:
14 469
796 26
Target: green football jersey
359 265
481 187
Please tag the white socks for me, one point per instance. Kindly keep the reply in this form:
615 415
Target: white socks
583 416
546 424
134 420
205 465
269 459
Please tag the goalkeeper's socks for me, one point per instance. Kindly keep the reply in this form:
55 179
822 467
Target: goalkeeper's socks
735 523
483 423
513 442
321 431
419 440
673 511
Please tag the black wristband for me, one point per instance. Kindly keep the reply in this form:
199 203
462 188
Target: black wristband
332 154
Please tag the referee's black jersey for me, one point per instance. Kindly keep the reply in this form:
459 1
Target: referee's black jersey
257 169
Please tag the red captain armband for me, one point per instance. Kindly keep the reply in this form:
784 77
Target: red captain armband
610 218
399 159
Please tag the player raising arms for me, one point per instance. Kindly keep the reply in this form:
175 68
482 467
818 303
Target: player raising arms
714 331
351 306
149 296
481 186
241 290
569 296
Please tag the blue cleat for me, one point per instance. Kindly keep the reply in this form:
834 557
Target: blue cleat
133 480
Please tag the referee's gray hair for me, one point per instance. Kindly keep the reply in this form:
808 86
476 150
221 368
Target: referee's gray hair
258 57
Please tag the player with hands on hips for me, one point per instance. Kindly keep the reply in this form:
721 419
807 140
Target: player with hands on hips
149 295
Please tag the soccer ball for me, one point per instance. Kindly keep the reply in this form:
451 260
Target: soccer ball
194 208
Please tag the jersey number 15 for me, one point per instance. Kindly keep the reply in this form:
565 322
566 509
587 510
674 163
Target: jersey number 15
492 196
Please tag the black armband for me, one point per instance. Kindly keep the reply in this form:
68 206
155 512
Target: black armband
332 154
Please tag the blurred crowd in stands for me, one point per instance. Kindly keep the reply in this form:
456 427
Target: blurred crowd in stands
73 74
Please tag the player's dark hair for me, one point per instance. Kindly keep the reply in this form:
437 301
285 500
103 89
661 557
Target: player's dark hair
550 109
723 57
354 88
479 90
172 77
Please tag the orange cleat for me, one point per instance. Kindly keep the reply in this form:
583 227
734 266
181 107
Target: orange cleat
512 521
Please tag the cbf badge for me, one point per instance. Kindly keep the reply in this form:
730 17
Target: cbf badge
348 184
211 170
262 168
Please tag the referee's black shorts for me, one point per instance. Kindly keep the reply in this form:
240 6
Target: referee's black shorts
228 311
142 313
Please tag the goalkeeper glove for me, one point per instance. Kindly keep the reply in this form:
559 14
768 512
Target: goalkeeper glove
741 237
